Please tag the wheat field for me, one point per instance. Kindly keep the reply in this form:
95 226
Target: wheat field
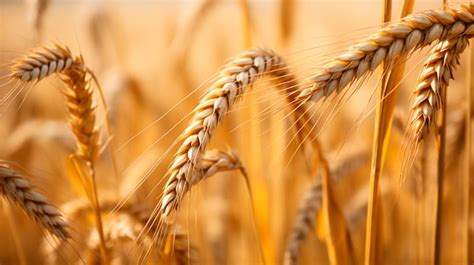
236 132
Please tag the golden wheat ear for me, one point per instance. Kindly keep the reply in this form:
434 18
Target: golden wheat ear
232 81
17 188
305 220
402 38
81 112
433 81
42 62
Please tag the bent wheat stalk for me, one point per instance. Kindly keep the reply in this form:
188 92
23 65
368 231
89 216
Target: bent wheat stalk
16 188
232 81
411 33
42 62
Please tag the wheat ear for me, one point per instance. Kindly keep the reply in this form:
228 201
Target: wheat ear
15 187
42 62
82 110
411 33
305 220
434 79
311 203
232 81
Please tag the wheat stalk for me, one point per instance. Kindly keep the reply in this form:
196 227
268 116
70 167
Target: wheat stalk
434 79
82 120
42 62
231 82
411 33
15 187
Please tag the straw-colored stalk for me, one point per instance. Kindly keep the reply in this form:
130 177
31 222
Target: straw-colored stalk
468 182
392 74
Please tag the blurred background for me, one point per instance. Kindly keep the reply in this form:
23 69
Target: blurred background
154 59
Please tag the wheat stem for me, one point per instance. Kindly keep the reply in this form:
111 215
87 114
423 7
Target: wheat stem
392 73
468 182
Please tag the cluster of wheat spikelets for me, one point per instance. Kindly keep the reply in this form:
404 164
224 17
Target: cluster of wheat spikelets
126 229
